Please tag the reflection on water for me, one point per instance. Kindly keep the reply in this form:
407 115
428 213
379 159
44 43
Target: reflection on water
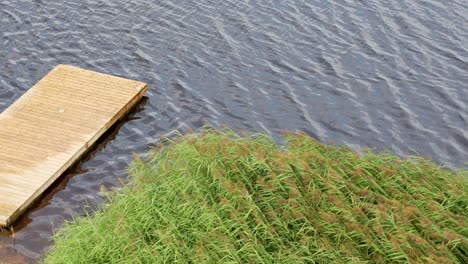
384 74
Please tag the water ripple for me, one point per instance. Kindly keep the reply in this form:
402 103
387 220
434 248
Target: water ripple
383 74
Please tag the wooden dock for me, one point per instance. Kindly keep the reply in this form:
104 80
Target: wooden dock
48 129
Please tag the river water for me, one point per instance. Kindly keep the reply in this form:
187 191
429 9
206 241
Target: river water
377 73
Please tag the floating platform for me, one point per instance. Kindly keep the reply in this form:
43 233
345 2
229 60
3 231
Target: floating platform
51 126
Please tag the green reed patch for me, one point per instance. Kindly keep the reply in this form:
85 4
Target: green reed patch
216 197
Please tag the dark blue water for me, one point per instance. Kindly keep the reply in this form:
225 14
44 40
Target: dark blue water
384 74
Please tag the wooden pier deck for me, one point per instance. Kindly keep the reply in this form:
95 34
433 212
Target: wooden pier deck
48 129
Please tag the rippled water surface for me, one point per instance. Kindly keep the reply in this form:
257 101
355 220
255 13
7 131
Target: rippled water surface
384 74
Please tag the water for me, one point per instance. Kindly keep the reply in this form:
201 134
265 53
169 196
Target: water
383 74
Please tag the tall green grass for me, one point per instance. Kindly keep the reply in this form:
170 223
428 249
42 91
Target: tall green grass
216 197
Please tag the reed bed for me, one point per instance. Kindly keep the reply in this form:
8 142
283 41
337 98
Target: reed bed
217 197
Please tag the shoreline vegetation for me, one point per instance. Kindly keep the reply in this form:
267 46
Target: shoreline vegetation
217 197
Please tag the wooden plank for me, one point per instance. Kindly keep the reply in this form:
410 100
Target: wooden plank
48 129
